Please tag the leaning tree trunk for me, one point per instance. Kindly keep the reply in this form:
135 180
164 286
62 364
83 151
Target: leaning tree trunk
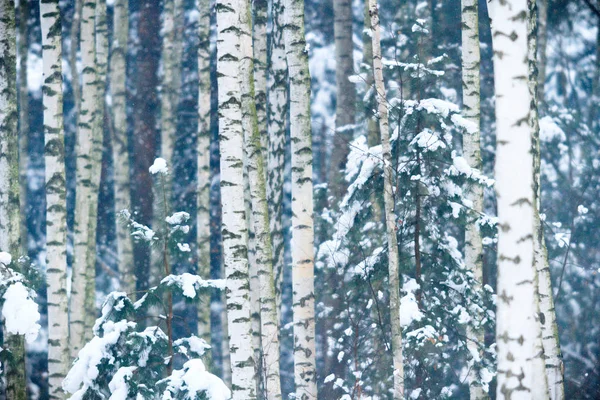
120 152
203 199
388 198
96 162
471 59
303 306
234 226
276 131
84 196
517 329
10 206
269 325
346 96
56 216
549 341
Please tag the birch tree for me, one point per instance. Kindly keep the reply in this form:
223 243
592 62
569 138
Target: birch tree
471 60
251 124
517 330
10 206
122 190
549 341
259 46
303 292
22 87
56 224
234 226
74 47
203 194
346 95
388 198
84 195
277 108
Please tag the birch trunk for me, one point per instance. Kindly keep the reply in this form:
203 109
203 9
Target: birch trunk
259 44
84 196
471 60
269 326
277 108
75 31
548 344
22 50
542 32
303 300
10 206
346 96
169 99
120 152
517 330
56 224
234 226
388 197
203 199
373 136
97 151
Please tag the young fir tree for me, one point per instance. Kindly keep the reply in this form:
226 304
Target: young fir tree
86 126
204 176
234 225
305 374
56 224
390 216
277 102
471 61
10 215
120 152
255 164
520 371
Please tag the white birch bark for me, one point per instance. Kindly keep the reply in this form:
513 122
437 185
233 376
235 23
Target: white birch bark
203 190
10 189
471 59
122 191
234 226
74 47
56 224
259 44
517 329
388 197
269 326
84 196
548 343
302 246
276 129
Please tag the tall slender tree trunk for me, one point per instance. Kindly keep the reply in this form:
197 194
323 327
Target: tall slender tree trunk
542 34
303 305
22 52
346 96
471 60
388 197
252 125
548 344
97 151
277 107
10 206
74 47
234 226
520 372
259 44
120 152
84 196
56 216
173 21
203 199
373 136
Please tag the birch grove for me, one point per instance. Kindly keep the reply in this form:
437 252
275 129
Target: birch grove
269 199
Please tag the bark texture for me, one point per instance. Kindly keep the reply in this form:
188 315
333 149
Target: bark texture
22 51
277 108
471 60
120 142
520 372
388 197
346 96
56 224
203 199
302 248
87 122
234 226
